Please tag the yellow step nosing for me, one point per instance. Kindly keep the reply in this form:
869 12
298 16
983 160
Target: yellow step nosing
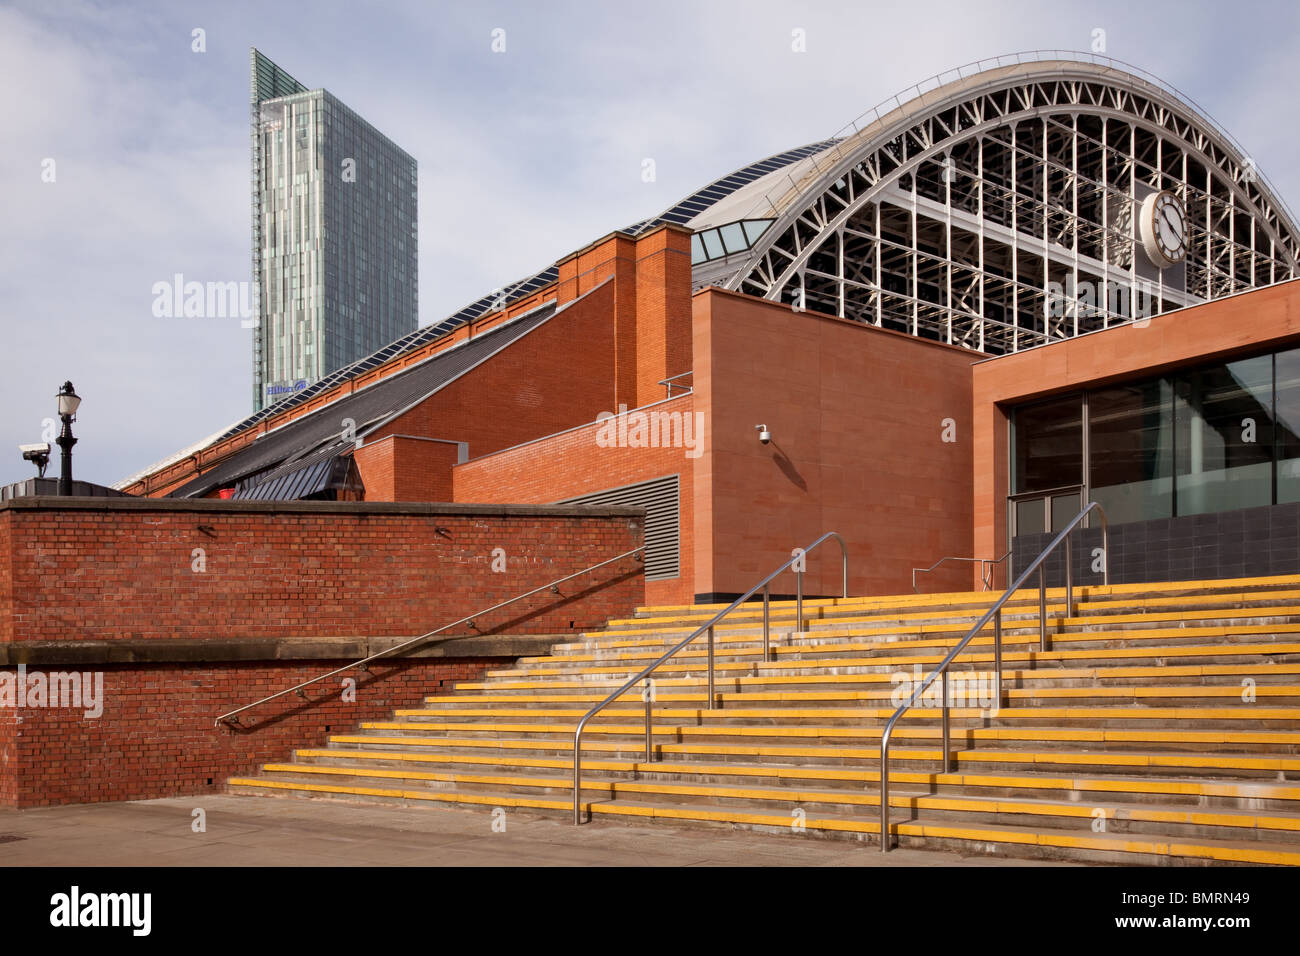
943 831
1250 789
844 796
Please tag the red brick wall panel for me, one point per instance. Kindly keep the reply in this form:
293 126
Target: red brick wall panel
572 464
155 736
558 376
856 415
103 572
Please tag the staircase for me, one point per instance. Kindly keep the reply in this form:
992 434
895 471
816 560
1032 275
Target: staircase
1162 726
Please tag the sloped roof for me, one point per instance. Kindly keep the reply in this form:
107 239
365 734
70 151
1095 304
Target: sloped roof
367 409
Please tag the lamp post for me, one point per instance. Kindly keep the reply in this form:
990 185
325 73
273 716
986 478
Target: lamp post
68 402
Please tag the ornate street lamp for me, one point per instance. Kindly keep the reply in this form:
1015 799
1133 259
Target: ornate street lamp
68 402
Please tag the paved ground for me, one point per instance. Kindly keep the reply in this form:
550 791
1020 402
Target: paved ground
271 831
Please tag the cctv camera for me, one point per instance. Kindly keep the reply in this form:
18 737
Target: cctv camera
38 454
764 435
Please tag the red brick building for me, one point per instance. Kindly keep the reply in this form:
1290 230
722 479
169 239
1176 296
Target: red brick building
884 302
940 334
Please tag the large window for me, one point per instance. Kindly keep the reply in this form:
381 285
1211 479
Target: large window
1131 450
1214 438
1225 436
1286 431
1047 445
1047 448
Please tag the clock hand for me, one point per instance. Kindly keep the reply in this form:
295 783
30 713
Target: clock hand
1168 213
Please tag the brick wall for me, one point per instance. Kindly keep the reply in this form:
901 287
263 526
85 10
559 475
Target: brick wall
6 580
87 573
155 736
857 421
106 569
572 464
406 468
557 376
663 308
589 355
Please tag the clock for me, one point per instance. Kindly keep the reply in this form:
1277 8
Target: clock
1163 227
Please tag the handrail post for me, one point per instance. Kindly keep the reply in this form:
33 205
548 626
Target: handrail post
844 568
997 653
710 667
1105 549
577 778
798 608
884 791
1042 609
1069 577
648 695
947 747
767 621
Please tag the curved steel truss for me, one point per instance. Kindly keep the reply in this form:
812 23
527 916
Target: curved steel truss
998 212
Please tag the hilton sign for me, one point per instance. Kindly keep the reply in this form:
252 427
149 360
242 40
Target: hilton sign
286 388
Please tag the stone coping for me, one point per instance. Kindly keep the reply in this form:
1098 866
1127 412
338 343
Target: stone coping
223 650
55 503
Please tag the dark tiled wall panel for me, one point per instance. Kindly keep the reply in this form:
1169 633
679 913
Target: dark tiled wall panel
1252 542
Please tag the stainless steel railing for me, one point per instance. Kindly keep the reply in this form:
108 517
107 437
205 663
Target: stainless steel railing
671 381
648 696
233 717
995 615
986 569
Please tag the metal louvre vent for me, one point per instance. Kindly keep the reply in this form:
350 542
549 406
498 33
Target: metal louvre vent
660 499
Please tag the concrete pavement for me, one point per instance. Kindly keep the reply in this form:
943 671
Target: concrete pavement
268 831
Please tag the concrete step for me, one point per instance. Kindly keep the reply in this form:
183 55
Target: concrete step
974 692
1160 725
807 646
1057 843
892 674
625 764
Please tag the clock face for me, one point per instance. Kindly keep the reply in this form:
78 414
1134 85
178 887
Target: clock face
1163 224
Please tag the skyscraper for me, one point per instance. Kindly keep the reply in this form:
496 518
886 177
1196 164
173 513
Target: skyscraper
334 235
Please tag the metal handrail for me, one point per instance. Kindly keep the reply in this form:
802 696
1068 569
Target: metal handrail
552 586
763 585
672 380
995 614
986 569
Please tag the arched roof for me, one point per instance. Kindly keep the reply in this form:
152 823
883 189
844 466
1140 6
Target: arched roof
1031 84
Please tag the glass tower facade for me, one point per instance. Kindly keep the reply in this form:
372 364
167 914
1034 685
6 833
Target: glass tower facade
334 235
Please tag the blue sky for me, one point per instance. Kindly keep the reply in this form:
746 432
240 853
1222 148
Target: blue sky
524 156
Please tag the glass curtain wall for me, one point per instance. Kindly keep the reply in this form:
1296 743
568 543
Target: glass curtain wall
1215 438
1131 450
